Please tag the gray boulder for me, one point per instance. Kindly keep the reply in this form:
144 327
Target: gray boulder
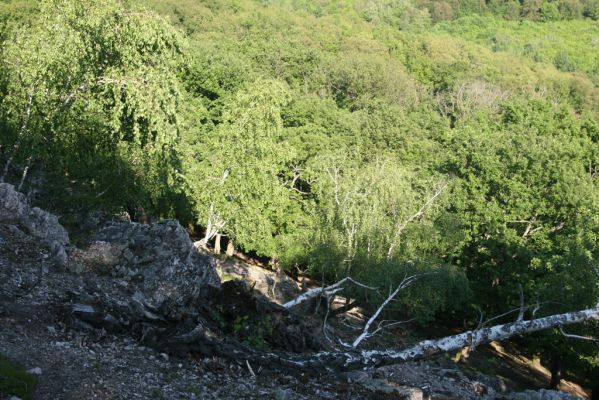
159 262
15 210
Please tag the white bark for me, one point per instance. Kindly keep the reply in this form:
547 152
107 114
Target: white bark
214 225
400 227
407 281
24 175
17 144
352 359
312 293
347 360
477 337
577 337
230 249
522 307
217 244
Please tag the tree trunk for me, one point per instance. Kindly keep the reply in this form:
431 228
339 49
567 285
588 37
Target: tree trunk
217 244
556 372
203 341
191 330
230 249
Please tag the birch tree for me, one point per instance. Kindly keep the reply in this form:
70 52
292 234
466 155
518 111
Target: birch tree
85 80
237 171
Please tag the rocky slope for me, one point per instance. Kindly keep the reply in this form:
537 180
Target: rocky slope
90 323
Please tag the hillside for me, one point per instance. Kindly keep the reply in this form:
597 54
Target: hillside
98 322
454 141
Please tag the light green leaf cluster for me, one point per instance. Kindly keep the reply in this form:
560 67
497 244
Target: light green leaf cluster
239 170
99 61
93 87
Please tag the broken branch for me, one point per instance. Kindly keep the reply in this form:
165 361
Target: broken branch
312 293
407 281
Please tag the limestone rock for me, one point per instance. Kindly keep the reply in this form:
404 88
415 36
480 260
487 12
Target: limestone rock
410 393
384 386
35 371
100 257
15 210
278 287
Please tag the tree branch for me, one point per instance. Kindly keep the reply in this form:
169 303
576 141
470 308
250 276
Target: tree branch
578 337
312 293
407 281
201 341
419 213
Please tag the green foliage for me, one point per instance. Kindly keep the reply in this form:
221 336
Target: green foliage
237 171
253 333
96 100
15 381
534 10
397 13
569 45
368 226
524 205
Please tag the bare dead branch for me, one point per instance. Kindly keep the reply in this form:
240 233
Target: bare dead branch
215 223
400 228
20 136
24 175
382 325
312 293
407 281
578 337
522 308
199 340
103 192
250 368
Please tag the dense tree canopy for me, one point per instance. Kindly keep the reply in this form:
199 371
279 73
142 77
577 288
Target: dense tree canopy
90 86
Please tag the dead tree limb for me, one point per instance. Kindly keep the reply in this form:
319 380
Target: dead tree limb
400 227
203 341
312 293
522 307
24 175
407 281
214 225
20 136
578 337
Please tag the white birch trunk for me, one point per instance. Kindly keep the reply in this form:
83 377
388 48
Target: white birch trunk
201 340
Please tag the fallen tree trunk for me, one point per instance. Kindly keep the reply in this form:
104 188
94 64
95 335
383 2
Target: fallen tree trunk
203 341
174 302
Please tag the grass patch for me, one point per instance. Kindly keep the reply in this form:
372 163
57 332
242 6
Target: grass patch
15 381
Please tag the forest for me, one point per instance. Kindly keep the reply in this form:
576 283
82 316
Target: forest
371 139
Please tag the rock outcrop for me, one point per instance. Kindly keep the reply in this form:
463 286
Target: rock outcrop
158 260
15 210
151 284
